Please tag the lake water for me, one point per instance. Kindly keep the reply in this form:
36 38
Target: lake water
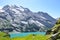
25 34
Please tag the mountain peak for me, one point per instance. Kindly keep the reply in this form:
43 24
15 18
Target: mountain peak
10 6
21 17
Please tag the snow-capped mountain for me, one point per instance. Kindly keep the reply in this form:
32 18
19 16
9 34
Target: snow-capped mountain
14 18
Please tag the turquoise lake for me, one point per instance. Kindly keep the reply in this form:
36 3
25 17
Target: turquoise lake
25 34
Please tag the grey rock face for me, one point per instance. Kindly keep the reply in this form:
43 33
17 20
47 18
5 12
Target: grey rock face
23 20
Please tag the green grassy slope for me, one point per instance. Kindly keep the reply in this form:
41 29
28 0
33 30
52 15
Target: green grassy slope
4 36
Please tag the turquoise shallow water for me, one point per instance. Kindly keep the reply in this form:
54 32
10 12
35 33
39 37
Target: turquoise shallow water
25 34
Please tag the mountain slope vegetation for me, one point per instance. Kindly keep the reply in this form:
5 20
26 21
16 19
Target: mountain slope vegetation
55 31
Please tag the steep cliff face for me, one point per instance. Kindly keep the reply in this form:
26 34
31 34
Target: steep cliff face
55 31
23 20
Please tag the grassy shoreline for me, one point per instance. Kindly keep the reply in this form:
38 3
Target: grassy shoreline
31 37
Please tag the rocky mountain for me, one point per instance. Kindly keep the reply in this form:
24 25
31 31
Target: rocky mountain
20 19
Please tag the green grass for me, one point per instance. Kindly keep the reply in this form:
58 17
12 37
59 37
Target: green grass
4 36
31 37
